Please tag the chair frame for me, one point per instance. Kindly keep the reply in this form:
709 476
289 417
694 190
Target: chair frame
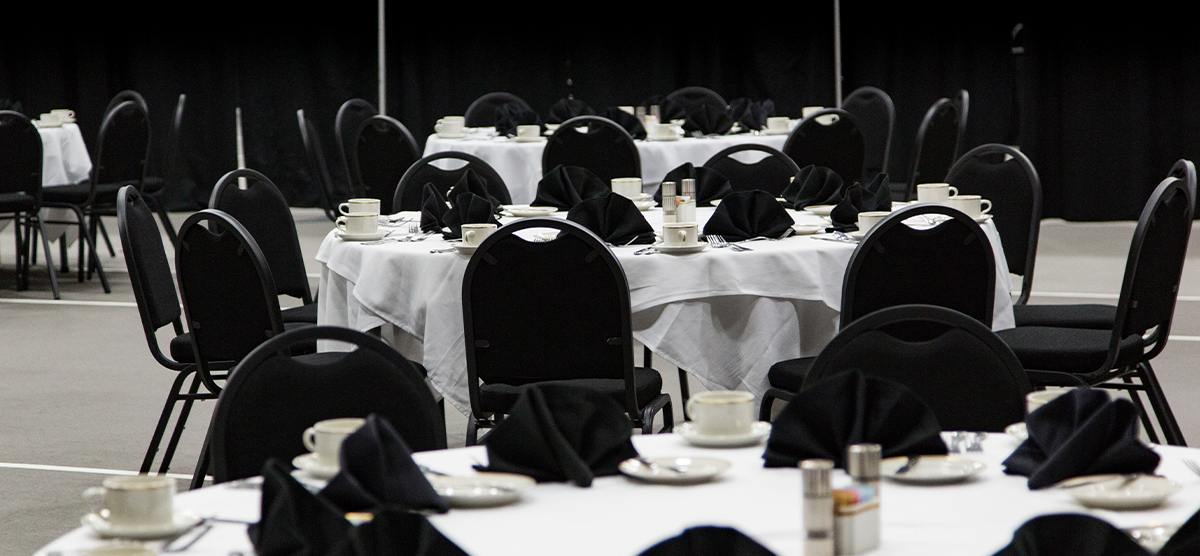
570 125
473 115
357 185
33 215
886 100
808 123
317 166
919 145
173 174
496 183
770 151
694 95
343 133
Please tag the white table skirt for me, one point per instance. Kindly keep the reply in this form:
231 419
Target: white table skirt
724 316
65 161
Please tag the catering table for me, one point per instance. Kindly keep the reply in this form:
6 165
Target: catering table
722 315
520 164
617 516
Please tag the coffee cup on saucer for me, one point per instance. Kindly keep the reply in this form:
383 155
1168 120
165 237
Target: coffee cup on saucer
529 132
661 132
474 234
630 188
359 206
868 219
451 126
50 119
681 234
324 439
935 193
1034 400
134 502
359 223
722 412
778 124
64 115
971 205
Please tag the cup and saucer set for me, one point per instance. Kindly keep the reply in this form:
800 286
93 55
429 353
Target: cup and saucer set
136 507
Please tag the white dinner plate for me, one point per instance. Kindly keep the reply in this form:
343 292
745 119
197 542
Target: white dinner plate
931 470
465 249
347 236
523 211
674 470
1017 431
1121 492
680 249
309 464
664 138
776 132
759 431
820 210
452 135
807 229
481 490
183 521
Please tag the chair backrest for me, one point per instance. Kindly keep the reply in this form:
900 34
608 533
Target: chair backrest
950 264
1186 171
149 272
350 117
830 138
964 104
936 144
772 173
1007 178
271 397
123 147
130 96
691 98
20 158
956 364
174 163
604 147
482 112
317 167
577 311
382 151
412 184
262 211
876 114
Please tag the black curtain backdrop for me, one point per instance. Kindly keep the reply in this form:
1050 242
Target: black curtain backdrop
1102 112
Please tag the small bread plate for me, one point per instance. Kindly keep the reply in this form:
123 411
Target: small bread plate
183 521
1121 492
373 236
1152 537
775 131
464 248
858 234
983 218
1017 431
452 136
481 490
680 249
931 470
807 229
759 431
537 139
524 211
118 548
820 210
674 470
311 466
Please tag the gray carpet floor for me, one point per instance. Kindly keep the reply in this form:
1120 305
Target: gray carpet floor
82 394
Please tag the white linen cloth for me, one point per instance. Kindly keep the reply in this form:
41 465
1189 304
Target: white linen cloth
722 315
65 161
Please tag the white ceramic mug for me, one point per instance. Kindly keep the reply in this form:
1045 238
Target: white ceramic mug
778 124
868 219
971 205
722 412
359 206
134 501
1034 400
451 126
325 438
64 114
680 234
359 224
655 130
810 110
630 188
474 234
935 193
529 132
49 118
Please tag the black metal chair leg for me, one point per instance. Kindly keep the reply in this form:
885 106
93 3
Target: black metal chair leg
472 431
21 249
165 418
49 261
1158 400
63 257
1144 415
201 468
34 243
180 425
94 262
684 392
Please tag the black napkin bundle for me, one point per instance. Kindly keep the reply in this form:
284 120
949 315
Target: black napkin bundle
433 209
568 108
708 541
565 186
1084 535
394 532
626 120
614 218
471 182
377 469
509 116
751 114
1079 433
706 119
559 432
814 185
844 215
470 203
746 214
877 195
852 408
710 184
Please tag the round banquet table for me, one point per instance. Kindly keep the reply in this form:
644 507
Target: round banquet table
617 516
65 161
722 315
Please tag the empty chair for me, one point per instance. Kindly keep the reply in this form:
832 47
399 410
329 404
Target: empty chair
964 104
153 192
21 191
318 169
876 116
692 98
412 184
595 143
771 173
936 146
350 117
830 138
383 151
482 112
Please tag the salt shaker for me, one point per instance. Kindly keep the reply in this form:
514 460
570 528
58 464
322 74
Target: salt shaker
689 189
817 476
668 202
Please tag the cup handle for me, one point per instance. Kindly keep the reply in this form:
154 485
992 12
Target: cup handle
682 238
953 191
340 223
984 206
437 127
691 408
344 208
94 496
468 237
310 439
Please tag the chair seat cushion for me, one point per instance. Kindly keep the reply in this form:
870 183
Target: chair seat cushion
77 194
181 345
16 202
301 314
498 398
789 375
1087 315
1068 350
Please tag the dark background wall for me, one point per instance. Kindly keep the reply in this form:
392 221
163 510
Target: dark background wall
1103 114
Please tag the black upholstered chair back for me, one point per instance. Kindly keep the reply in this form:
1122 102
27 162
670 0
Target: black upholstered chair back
771 173
20 161
383 151
350 117
272 397
123 147
263 211
1186 171
830 138
950 264
318 169
876 115
482 112
955 363
936 146
149 272
408 193
694 98
1007 178
598 144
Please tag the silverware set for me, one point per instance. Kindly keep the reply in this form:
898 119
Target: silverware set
963 441
718 242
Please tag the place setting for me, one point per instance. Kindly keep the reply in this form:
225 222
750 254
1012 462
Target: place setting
723 419
137 507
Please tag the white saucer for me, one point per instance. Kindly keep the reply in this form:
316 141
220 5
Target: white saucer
309 465
530 139
675 470
346 236
39 123
465 249
1115 492
759 431
858 234
775 132
481 490
524 211
807 229
680 249
666 138
983 218
644 205
452 135
931 470
120 549
1017 431
820 210
183 521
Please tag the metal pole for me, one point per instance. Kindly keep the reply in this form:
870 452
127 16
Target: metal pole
241 146
837 52
382 61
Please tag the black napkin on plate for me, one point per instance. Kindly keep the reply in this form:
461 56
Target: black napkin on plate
396 532
568 108
852 408
295 521
433 209
614 218
844 215
565 186
467 208
751 114
559 432
710 184
708 541
470 182
707 119
814 185
670 111
877 195
377 469
1071 535
626 120
746 214
509 116
1079 433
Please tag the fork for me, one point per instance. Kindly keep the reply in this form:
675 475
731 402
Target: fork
719 241
1191 464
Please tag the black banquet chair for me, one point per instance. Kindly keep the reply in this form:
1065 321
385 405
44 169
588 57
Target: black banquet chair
273 396
350 117
21 191
318 168
603 146
482 112
831 138
572 326
694 97
771 173
382 151
936 146
876 115
412 184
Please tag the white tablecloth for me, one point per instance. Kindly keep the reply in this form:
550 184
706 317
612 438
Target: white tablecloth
520 164
724 316
65 161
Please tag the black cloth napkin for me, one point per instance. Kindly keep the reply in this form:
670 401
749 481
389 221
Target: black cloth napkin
509 116
814 185
294 521
565 186
467 208
396 532
433 209
706 119
852 408
471 182
1071 535
877 195
614 218
710 184
1079 433
558 432
708 541
844 215
626 120
377 469
568 108
751 114
746 214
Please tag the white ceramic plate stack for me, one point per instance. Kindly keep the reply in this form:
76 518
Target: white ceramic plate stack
312 467
525 211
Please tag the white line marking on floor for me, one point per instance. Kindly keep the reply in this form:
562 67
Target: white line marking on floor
68 469
70 302
1096 295
1185 338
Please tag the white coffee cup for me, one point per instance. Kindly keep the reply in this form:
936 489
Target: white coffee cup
359 206
359 224
778 124
656 130
134 501
64 114
971 205
722 412
630 188
474 234
685 211
325 438
529 132
680 234
810 110
936 193
1034 400
868 219
49 118
451 126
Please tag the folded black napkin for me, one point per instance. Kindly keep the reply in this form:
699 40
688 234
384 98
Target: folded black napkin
568 108
1079 433
706 119
708 541
814 185
626 120
746 214
751 114
377 469
710 184
670 111
877 195
396 532
295 521
844 216
471 182
614 218
852 408
1070 535
509 116
558 432
433 209
467 208
565 186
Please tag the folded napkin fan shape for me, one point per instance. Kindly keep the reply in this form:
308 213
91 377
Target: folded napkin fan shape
377 469
564 187
708 541
814 185
626 120
856 198
707 119
710 184
614 218
1084 535
751 114
746 214
511 115
568 108
470 203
